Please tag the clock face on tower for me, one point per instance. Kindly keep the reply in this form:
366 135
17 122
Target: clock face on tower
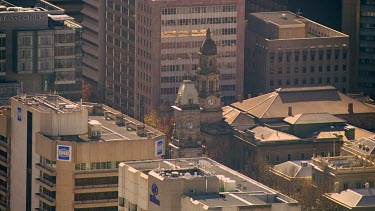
190 125
211 101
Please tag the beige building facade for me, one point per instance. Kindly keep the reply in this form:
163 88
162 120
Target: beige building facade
169 34
288 50
70 153
194 184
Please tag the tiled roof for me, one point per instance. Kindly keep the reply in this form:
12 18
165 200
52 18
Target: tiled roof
324 99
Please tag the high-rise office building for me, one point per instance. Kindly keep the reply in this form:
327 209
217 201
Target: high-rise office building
41 49
59 155
358 21
168 36
151 46
288 50
93 46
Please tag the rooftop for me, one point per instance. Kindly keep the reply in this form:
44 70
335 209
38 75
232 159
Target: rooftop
313 118
362 147
247 191
294 169
352 198
279 18
339 164
324 99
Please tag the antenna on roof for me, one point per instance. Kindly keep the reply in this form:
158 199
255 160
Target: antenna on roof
298 13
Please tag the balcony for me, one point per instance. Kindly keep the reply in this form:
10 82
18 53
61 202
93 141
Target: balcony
4 176
96 188
46 169
4 161
46 184
46 199
96 203
4 190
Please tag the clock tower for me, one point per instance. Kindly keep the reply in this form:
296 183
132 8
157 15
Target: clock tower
186 140
208 81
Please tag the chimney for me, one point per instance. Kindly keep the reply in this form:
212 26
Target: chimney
350 132
248 96
290 111
367 185
141 130
350 108
239 98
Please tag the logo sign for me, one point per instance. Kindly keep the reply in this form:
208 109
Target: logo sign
19 114
159 147
64 152
155 191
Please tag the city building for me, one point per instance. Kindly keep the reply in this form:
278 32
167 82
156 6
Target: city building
193 184
335 174
284 49
283 102
353 199
65 155
5 138
292 176
168 36
41 49
94 47
358 22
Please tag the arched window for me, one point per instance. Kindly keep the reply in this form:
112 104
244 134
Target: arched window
211 86
204 86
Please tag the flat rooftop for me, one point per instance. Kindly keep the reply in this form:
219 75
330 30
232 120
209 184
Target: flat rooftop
279 18
248 191
48 102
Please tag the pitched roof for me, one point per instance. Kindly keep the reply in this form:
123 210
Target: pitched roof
325 99
268 134
355 197
313 118
295 169
237 118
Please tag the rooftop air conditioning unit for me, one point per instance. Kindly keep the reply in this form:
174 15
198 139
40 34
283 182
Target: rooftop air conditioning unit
95 129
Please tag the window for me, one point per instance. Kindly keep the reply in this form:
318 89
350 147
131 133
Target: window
336 68
358 185
277 158
280 82
328 68
211 86
345 186
295 81
320 69
271 82
312 69
289 157
328 80
303 156
322 154
267 158
312 81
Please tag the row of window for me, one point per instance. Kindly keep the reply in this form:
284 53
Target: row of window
190 56
280 56
195 44
196 33
203 9
198 21
96 166
174 90
304 69
304 81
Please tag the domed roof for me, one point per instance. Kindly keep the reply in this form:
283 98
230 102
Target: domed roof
208 46
187 94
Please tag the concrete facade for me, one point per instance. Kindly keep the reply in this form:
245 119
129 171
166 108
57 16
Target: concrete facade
287 50
70 152
193 184
41 49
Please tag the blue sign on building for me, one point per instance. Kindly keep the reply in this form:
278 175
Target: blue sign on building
64 152
159 147
19 114
155 191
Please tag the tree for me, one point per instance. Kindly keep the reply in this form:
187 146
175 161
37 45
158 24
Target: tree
163 123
